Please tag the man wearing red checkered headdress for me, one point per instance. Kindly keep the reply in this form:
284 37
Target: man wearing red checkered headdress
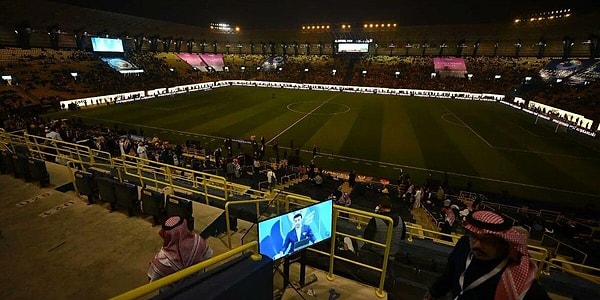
491 262
181 249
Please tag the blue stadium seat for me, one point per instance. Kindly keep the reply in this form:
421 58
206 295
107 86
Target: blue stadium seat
86 185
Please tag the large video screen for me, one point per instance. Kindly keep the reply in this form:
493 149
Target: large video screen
107 45
286 234
121 65
353 48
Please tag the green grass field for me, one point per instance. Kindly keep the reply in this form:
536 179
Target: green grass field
497 148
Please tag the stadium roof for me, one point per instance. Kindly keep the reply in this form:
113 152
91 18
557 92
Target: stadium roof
285 14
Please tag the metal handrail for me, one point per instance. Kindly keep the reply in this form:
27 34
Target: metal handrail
170 279
567 245
560 264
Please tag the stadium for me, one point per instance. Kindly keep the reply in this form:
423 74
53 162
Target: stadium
504 114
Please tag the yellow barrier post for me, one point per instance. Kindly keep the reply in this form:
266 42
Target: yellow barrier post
330 275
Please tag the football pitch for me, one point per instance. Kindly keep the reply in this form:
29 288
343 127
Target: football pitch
495 147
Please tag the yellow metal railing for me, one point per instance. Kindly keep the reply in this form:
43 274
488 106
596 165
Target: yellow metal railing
386 253
170 279
576 269
177 178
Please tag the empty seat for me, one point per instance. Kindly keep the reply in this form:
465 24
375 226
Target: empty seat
21 164
127 197
153 203
86 185
38 171
8 166
180 207
106 190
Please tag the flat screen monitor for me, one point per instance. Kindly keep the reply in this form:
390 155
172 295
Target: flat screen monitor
107 45
288 233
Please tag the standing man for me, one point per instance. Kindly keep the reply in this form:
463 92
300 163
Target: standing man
51 146
142 151
377 228
490 262
271 179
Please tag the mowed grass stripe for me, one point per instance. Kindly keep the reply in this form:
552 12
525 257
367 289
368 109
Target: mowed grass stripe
336 130
364 140
398 134
440 149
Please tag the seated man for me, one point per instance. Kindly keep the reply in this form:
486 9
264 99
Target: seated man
181 249
490 262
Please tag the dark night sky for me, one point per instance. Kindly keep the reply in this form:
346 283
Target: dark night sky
262 14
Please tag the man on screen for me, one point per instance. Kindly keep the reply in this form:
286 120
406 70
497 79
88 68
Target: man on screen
299 233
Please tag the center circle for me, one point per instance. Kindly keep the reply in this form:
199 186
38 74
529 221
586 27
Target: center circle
327 109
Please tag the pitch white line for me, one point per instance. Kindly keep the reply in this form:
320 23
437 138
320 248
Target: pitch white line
468 127
453 123
151 127
546 153
356 160
369 162
303 117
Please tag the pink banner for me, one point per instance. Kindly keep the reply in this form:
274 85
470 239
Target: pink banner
193 60
214 60
449 64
